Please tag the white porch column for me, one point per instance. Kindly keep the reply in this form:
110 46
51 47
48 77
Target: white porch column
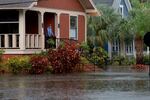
41 30
14 44
58 25
22 29
85 28
6 40
57 28
147 53
109 50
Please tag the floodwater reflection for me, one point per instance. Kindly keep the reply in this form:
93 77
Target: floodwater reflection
87 86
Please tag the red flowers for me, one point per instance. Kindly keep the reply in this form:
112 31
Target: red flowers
140 67
39 64
64 59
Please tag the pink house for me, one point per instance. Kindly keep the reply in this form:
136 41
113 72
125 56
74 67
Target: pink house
23 23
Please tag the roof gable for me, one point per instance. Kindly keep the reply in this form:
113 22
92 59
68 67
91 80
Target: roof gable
116 4
89 7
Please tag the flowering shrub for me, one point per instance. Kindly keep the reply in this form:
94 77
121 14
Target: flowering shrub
98 57
19 64
39 64
65 58
140 67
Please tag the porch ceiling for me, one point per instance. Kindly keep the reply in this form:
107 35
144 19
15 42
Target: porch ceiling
89 7
16 4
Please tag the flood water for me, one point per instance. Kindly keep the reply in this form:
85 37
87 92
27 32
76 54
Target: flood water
85 86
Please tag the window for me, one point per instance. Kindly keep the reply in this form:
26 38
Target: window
9 21
73 27
115 47
121 10
129 48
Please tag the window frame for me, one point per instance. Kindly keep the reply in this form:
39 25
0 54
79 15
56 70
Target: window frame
74 38
121 8
10 22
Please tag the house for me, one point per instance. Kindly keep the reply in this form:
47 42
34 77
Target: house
122 7
23 23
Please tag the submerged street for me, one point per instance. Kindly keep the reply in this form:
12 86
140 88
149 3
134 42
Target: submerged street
87 86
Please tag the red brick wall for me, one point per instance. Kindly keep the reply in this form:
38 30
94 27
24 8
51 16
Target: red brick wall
81 28
64 26
61 4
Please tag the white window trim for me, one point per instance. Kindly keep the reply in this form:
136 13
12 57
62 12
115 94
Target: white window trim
127 49
122 12
116 45
77 25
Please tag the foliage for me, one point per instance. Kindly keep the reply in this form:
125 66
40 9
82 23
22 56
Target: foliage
84 60
51 42
146 59
65 58
84 49
100 26
99 57
139 22
140 67
121 60
42 53
39 64
19 64
1 53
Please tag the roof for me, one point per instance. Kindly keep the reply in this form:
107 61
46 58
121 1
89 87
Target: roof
114 3
90 7
107 2
16 4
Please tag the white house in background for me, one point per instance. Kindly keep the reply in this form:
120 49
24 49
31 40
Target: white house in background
123 7
23 23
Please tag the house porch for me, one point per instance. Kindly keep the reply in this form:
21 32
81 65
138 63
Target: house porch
23 31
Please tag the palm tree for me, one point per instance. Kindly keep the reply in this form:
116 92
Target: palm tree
100 26
140 24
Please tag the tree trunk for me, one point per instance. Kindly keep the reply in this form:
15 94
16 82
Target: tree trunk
139 50
122 48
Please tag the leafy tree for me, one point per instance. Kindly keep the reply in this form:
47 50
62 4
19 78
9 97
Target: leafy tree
100 26
140 24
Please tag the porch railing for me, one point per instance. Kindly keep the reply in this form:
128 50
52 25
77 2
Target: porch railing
10 41
33 41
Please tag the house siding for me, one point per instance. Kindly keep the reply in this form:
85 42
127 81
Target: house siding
73 5
64 25
126 12
81 28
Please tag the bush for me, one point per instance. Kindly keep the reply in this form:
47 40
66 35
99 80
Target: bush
99 57
120 60
65 58
19 64
39 64
1 53
146 59
84 60
84 48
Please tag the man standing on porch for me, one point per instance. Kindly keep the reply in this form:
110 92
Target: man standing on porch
50 37
49 31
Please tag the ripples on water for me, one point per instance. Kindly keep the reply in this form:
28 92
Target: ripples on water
89 86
